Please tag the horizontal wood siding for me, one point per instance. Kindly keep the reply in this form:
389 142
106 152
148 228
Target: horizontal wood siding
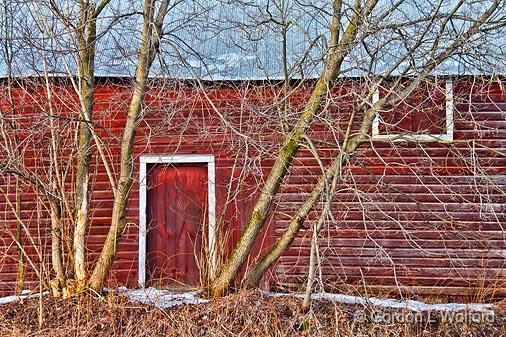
423 217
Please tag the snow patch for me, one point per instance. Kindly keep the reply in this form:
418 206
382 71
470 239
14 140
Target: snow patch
160 298
163 298
391 303
25 294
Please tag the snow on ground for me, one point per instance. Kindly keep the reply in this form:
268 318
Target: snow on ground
161 298
164 298
15 298
391 303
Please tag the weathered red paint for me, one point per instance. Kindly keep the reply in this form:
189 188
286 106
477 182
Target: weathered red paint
406 116
177 218
426 218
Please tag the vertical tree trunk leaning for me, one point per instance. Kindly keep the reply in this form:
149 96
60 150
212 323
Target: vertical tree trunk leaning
306 303
311 274
151 34
253 277
350 144
338 49
58 284
86 81
86 35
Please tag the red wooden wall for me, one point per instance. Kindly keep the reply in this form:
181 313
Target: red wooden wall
418 217
176 215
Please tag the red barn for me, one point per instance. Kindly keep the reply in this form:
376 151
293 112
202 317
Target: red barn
427 216
419 209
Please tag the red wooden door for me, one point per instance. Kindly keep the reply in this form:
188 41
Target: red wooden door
177 215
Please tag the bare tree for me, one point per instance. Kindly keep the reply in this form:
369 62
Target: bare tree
80 24
151 35
393 51
359 27
86 37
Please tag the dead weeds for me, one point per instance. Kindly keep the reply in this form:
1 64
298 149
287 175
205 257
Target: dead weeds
242 314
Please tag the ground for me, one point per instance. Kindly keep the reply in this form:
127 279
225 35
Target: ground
243 314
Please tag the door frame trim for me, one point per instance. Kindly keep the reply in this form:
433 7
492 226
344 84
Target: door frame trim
144 160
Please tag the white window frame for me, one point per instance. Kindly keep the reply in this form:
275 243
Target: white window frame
211 197
444 137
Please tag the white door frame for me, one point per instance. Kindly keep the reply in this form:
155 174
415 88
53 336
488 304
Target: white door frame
211 199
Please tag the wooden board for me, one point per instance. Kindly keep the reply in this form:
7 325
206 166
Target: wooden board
177 214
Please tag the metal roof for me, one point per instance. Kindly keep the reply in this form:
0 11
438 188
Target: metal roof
242 40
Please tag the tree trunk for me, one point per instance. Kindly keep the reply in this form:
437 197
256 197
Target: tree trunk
316 232
59 282
109 249
253 277
337 51
151 34
350 144
306 303
82 200
86 36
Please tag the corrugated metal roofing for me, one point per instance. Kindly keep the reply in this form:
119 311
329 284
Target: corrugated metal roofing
242 40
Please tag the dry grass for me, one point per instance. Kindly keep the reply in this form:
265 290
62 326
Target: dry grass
243 314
